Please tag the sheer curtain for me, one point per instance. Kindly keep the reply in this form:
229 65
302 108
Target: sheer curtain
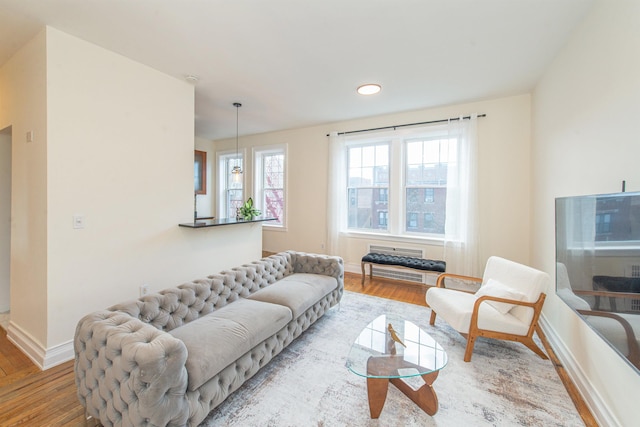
581 241
337 192
461 225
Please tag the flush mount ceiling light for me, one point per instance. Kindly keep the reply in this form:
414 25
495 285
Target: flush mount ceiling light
369 89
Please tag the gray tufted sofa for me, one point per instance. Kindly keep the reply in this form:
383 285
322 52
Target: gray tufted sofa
168 359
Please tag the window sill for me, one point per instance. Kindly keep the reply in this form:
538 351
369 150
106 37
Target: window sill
608 250
431 241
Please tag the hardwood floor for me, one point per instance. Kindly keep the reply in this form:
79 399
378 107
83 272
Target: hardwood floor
34 398
31 397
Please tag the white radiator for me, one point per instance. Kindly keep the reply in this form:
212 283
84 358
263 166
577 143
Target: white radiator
633 305
389 250
397 273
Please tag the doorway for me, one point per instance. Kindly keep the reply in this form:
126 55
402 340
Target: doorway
5 225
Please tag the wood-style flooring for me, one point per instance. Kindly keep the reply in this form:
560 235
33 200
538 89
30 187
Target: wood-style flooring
34 398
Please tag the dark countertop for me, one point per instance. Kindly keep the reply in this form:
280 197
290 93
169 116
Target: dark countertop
204 223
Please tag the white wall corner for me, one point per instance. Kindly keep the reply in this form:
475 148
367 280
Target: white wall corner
351 267
41 357
589 393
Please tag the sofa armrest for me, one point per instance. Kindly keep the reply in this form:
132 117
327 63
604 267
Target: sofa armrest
318 264
128 369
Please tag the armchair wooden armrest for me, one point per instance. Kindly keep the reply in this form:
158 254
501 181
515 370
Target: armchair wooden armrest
441 284
632 343
475 331
611 294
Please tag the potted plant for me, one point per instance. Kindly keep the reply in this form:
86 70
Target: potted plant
247 211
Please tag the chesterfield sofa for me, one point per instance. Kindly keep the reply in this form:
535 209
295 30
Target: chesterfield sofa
169 358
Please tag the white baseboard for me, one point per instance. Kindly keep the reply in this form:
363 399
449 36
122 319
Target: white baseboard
353 268
44 358
591 396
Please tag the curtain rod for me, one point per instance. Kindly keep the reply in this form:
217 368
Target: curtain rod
407 124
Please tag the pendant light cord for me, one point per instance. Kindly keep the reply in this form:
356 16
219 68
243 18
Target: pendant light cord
237 105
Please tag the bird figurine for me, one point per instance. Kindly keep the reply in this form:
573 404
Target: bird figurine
394 335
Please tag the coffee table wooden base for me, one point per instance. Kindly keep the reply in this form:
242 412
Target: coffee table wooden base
425 397
395 360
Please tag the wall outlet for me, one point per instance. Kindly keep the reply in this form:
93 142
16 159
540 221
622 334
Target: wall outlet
78 221
145 289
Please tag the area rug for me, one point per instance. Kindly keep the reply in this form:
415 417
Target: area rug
505 384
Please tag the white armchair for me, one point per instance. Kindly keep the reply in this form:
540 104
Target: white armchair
506 306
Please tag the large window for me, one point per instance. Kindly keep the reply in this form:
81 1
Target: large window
398 186
368 185
425 183
231 194
270 183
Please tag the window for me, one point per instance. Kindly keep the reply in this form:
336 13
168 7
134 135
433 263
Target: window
426 161
603 224
270 183
617 219
382 219
367 185
398 185
428 219
383 195
412 220
428 195
231 194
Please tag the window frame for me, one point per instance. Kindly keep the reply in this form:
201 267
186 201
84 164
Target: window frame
397 210
223 173
375 189
259 153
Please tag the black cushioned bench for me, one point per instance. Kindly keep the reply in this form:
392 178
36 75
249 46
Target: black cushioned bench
423 265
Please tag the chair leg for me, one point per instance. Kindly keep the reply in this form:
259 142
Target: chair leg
471 340
432 319
534 347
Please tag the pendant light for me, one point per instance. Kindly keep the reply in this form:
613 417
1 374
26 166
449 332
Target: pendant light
236 172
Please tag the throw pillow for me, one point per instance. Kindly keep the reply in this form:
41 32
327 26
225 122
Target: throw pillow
496 289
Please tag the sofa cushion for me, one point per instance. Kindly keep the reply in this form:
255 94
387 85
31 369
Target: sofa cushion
216 340
298 291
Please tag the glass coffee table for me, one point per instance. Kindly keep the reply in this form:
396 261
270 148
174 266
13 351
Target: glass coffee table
393 350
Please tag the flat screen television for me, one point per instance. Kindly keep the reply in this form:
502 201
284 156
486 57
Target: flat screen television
598 266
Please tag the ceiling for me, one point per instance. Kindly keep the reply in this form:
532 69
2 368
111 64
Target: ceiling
297 63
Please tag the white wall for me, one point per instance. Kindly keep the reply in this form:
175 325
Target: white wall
120 152
23 106
586 127
117 147
504 141
5 218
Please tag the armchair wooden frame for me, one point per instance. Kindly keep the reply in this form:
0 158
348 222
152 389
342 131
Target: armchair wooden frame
475 331
632 343
634 348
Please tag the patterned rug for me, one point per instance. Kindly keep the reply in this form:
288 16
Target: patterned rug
505 384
